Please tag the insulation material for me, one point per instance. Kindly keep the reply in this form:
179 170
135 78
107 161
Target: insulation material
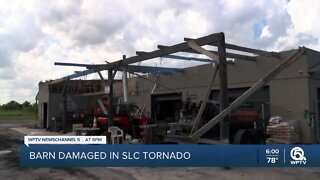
284 132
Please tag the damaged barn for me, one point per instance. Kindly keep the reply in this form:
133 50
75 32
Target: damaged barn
229 98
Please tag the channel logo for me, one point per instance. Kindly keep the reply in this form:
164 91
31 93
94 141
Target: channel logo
297 156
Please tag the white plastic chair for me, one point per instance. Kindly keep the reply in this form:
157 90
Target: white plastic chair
116 134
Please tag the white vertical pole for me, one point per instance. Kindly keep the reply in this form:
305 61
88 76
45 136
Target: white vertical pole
125 83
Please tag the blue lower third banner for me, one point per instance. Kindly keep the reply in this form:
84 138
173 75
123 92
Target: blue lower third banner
170 156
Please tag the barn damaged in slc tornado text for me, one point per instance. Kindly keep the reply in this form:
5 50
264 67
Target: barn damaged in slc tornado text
235 95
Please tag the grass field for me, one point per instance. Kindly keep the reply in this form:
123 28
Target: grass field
17 114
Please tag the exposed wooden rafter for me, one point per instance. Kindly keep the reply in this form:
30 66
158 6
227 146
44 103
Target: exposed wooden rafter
243 49
229 55
154 54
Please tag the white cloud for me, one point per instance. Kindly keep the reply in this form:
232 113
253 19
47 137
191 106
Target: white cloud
265 33
305 15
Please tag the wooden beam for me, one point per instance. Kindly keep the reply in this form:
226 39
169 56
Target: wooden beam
223 88
192 44
205 99
131 68
188 58
241 57
72 76
103 82
154 54
163 47
184 57
258 85
140 52
100 75
245 49
71 64
229 55
151 69
251 50
110 99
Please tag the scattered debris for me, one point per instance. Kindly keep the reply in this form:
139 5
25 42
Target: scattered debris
283 132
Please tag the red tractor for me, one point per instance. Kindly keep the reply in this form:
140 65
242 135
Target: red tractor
127 117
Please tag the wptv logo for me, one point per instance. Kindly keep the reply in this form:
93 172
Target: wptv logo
297 156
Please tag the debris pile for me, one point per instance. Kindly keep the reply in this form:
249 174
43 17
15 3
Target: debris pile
283 132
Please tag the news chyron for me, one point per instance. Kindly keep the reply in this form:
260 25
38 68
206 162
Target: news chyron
93 151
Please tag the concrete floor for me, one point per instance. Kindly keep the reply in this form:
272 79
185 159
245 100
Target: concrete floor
9 166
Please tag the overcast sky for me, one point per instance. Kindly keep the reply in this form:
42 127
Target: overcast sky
35 33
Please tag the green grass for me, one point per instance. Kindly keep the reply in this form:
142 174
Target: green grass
17 114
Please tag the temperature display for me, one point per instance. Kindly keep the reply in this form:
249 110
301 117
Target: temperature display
272 156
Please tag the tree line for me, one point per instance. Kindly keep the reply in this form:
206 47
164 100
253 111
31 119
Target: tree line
14 105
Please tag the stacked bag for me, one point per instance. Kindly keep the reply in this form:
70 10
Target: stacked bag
283 132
